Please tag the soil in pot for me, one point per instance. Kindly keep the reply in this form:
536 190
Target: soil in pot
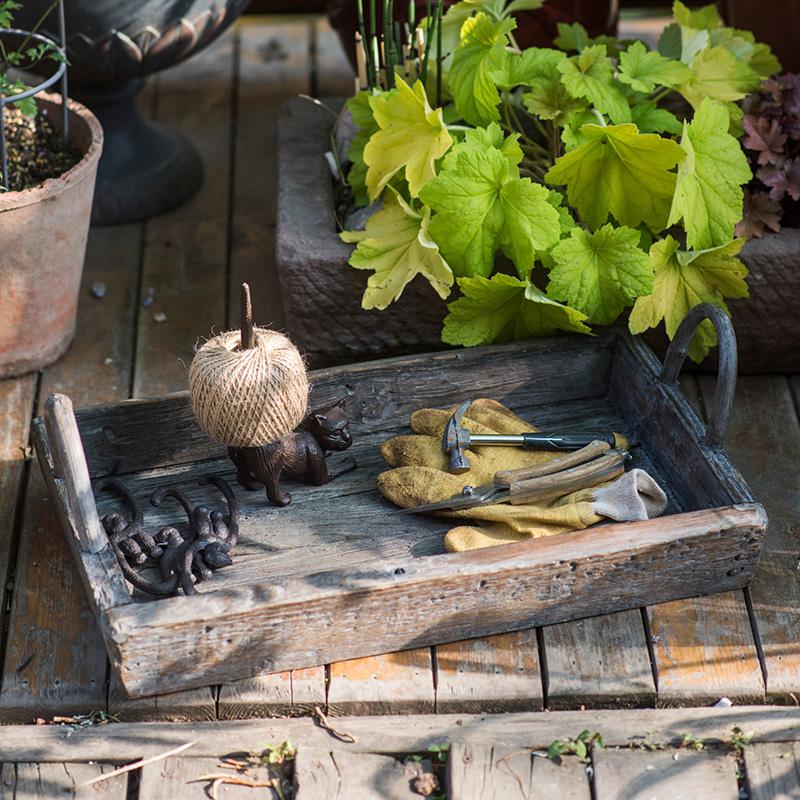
35 150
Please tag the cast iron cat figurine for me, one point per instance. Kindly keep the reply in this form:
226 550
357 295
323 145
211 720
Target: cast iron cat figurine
299 455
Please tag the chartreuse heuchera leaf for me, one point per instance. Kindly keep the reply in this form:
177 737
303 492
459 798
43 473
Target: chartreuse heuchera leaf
716 73
708 193
644 69
361 113
480 139
397 246
481 54
528 68
482 205
600 273
590 75
411 137
684 279
505 309
619 171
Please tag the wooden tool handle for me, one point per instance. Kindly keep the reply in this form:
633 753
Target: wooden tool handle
584 476
593 450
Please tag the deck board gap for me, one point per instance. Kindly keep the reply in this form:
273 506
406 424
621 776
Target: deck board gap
230 322
7 589
751 616
313 71
651 652
543 674
435 678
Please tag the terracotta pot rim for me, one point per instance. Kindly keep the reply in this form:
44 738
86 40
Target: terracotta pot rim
55 186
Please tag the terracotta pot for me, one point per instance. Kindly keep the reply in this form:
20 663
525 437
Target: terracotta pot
43 235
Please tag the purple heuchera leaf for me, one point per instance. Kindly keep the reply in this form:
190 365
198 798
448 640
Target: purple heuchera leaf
772 144
765 137
760 212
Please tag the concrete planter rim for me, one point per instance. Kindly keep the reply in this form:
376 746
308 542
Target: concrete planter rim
53 187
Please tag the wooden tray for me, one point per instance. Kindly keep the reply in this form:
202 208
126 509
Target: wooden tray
333 577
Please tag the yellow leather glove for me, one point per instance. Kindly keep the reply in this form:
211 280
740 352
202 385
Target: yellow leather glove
420 475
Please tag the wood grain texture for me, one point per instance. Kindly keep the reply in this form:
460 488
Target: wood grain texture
491 675
765 436
16 409
420 601
115 439
69 468
410 734
773 771
704 650
392 683
273 65
50 613
177 777
664 775
321 775
333 73
44 781
602 661
293 693
483 772
182 706
186 249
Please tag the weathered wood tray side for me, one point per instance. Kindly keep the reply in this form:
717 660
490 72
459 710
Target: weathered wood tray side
406 600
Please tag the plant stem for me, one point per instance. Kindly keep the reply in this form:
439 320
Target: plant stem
365 44
373 46
428 39
388 43
439 53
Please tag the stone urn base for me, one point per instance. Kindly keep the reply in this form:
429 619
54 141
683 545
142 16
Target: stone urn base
147 169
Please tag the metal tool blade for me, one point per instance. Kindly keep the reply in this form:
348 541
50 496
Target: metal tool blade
478 496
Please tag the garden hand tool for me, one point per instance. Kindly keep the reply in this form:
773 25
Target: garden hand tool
419 475
456 439
531 485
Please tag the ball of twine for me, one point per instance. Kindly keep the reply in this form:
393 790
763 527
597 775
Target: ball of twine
246 398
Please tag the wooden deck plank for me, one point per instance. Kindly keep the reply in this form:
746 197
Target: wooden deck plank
400 682
273 65
333 73
55 660
278 694
764 442
16 409
46 781
321 775
176 778
120 743
186 251
773 771
664 775
184 266
484 772
602 661
396 683
494 674
703 648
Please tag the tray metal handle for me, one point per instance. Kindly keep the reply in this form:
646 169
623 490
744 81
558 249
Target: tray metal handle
726 379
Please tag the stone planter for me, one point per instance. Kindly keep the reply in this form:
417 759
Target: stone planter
43 235
322 294
768 323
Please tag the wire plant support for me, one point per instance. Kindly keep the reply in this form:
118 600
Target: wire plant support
60 75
